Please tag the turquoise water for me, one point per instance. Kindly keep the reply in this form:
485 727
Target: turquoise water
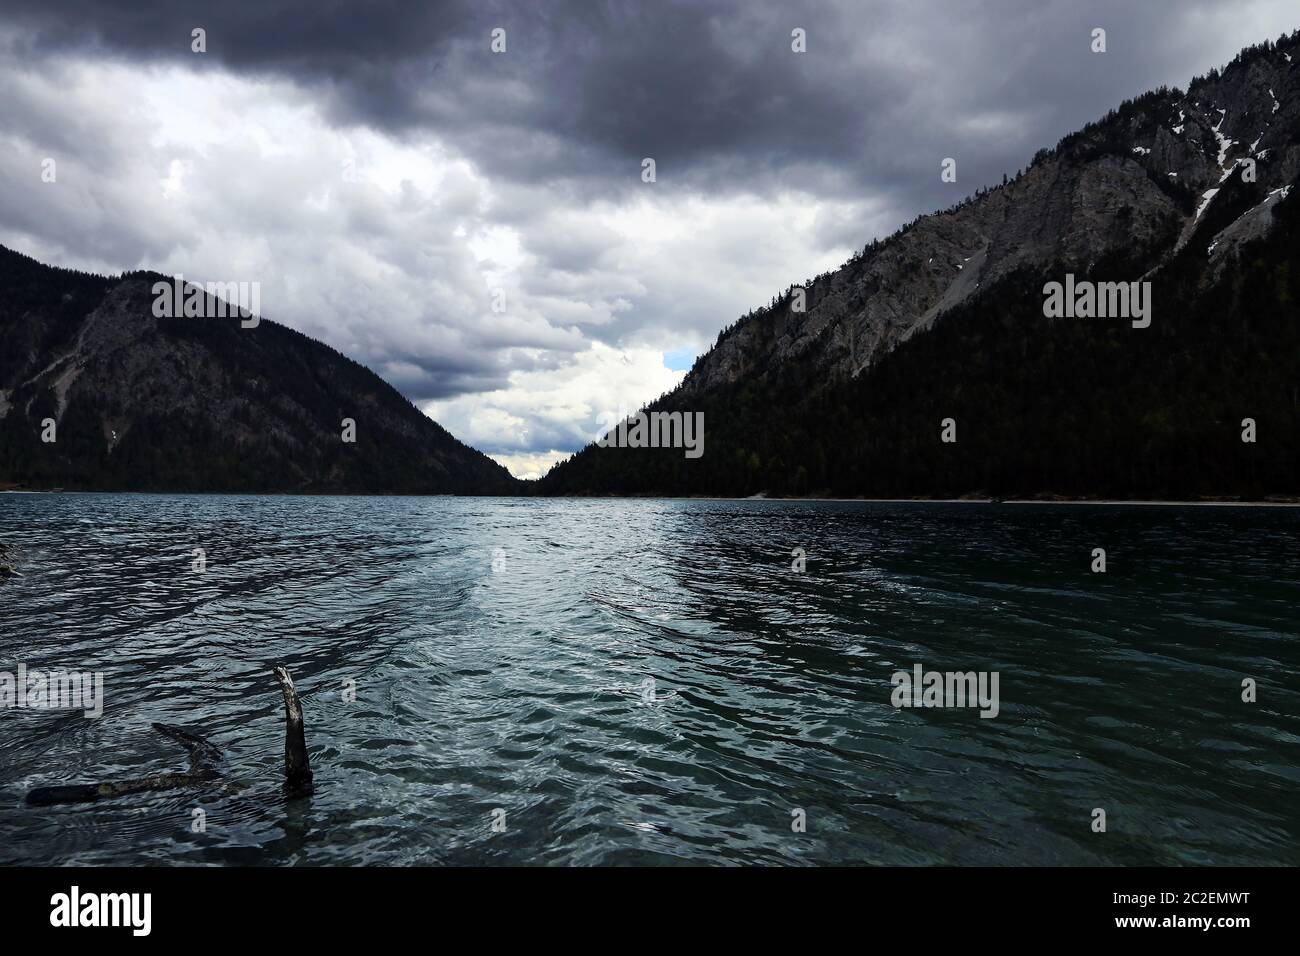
650 682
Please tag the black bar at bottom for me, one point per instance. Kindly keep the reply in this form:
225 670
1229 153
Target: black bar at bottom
228 905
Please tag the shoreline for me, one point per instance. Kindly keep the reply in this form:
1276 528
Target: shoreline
1135 502
1283 502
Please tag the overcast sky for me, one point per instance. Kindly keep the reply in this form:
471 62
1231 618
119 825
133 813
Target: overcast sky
388 178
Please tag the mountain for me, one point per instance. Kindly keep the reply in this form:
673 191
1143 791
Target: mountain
1191 191
142 403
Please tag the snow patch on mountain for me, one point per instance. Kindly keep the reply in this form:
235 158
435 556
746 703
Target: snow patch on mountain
1206 200
1225 143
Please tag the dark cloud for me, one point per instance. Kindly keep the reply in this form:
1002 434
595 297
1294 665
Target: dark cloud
712 91
423 380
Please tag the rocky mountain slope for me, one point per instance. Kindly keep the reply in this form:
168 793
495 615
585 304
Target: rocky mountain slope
1137 179
1171 183
198 404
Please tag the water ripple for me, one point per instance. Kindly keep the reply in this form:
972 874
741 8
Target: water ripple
652 682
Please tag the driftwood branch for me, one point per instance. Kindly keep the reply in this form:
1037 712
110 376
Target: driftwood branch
297 769
204 758
205 761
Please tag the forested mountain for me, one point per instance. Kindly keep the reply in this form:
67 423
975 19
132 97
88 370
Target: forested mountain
1192 191
143 403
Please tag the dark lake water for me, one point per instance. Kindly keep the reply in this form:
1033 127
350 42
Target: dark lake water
649 682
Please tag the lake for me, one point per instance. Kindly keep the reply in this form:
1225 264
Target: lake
548 681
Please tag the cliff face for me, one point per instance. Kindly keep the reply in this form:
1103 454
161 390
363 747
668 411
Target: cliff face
945 319
1138 182
198 404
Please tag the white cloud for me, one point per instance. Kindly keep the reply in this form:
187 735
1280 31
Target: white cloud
530 465
547 413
